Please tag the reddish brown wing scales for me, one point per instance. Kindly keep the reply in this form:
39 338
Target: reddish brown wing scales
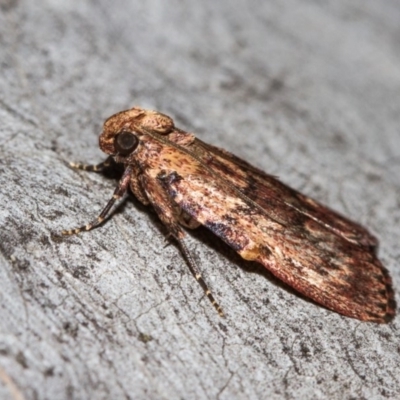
262 188
302 252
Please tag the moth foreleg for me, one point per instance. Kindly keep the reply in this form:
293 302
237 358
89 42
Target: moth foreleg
95 168
120 190
168 214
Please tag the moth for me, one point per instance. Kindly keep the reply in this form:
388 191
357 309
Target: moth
321 254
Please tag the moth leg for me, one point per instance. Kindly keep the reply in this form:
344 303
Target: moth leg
169 217
186 220
119 191
196 273
137 188
95 168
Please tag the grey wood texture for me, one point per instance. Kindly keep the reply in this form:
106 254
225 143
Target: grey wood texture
306 90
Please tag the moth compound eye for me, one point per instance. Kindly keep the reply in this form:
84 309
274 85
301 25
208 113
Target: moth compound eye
125 142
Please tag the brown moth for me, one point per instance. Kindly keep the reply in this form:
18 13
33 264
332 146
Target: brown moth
318 252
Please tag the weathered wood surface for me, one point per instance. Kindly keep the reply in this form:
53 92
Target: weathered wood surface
308 90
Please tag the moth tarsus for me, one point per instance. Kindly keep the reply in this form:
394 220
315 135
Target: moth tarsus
313 249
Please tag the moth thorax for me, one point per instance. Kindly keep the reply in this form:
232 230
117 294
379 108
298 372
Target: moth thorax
158 122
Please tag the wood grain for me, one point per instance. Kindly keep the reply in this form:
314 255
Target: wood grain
308 91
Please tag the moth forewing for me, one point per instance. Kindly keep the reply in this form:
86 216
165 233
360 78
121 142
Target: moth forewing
318 252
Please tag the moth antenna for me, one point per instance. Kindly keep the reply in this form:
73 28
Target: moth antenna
93 168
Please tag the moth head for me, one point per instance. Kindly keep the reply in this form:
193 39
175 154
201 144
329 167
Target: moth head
115 138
